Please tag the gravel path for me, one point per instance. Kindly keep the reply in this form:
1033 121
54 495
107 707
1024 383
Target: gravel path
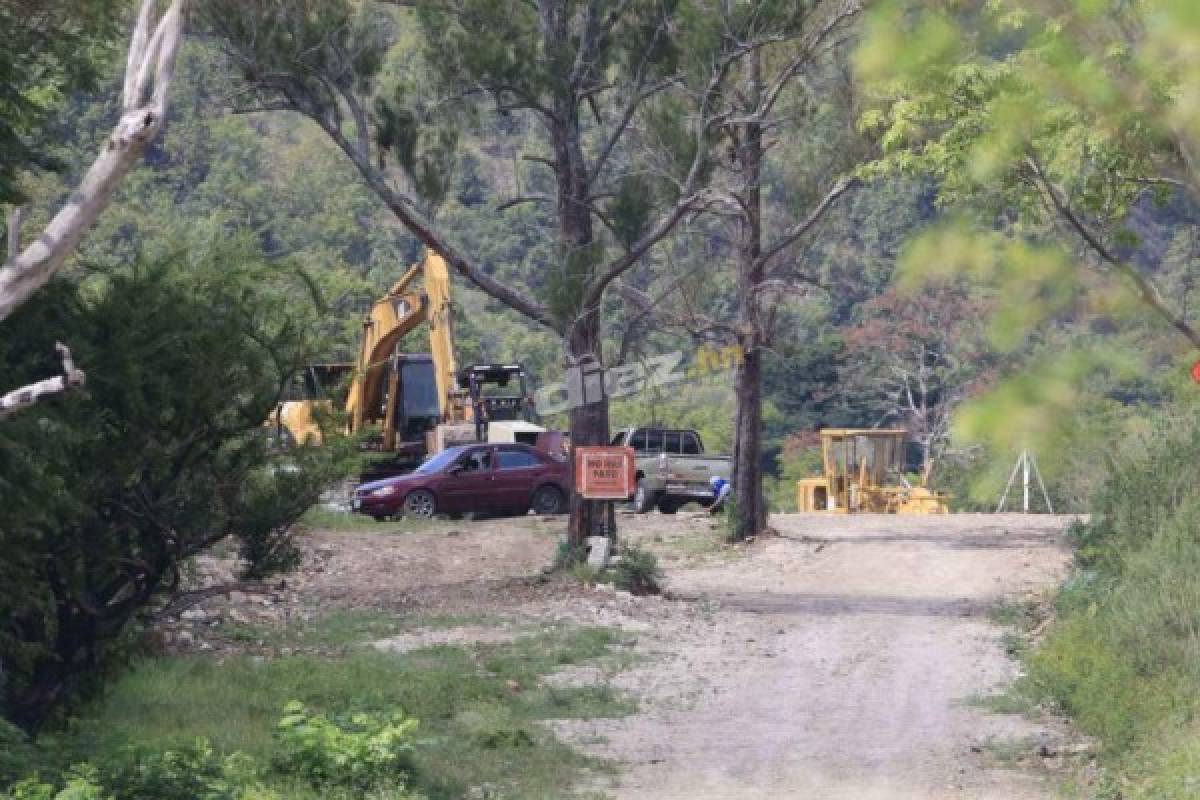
837 661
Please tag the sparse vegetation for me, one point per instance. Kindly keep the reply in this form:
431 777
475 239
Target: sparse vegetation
637 571
478 709
1122 656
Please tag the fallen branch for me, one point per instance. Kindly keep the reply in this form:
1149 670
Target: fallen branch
182 602
27 396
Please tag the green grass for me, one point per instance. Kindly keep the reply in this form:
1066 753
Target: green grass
1122 658
478 706
344 628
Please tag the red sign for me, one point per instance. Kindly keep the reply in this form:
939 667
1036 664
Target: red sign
605 473
1196 372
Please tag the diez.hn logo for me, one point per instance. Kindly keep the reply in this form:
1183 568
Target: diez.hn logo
587 382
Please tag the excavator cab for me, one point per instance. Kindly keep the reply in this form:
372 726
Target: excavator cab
417 408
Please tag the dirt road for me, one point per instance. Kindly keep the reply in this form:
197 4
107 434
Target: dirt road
839 661
836 661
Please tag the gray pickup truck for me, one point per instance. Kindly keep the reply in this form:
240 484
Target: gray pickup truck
672 468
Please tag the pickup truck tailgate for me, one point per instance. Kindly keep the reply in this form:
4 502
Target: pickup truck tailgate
691 474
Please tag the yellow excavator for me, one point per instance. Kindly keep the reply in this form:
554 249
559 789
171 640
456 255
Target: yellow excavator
864 472
420 402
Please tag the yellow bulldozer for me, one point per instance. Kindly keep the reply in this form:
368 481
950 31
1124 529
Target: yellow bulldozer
864 472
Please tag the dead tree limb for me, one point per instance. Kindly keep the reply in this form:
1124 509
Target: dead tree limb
27 396
148 74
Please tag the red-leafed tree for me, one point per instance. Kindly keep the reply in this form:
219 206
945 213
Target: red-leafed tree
913 358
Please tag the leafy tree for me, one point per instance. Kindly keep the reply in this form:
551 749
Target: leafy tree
160 456
916 358
759 103
1056 118
579 77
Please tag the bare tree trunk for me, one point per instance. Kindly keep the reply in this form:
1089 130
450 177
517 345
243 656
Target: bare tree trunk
148 74
749 507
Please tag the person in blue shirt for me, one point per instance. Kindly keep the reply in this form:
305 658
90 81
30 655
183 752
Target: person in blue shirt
721 490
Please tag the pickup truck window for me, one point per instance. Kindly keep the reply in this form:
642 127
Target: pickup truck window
691 444
638 440
671 442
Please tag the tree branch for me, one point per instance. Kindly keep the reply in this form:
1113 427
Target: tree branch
26 396
1146 289
789 236
151 65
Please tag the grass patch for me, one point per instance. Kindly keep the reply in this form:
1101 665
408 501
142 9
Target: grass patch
478 706
345 628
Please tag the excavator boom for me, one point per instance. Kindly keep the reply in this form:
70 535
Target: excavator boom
391 318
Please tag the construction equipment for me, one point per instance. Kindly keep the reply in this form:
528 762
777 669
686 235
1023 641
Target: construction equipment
864 472
295 419
420 402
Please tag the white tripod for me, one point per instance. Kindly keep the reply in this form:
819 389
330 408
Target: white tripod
1025 465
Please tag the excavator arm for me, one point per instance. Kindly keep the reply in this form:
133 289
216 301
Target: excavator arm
391 318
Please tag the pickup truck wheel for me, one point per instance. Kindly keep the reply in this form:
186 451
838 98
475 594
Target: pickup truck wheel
420 504
643 498
668 506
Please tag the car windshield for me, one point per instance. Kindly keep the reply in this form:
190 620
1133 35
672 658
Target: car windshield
439 462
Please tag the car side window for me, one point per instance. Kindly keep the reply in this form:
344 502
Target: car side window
691 444
514 459
654 441
671 442
478 460
638 441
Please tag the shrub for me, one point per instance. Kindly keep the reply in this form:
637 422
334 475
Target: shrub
357 752
360 757
638 572
109 489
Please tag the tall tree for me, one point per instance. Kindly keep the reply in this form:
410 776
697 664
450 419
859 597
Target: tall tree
915 358
779 91
580 76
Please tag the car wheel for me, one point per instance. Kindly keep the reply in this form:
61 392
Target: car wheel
643 498
548 500
668 506
420 503
379 517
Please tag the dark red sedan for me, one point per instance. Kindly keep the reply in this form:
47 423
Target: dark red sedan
493 478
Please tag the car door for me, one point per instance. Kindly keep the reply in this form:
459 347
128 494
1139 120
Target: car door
470 484
517 474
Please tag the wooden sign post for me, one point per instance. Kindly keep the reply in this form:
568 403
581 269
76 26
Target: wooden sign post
604 473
